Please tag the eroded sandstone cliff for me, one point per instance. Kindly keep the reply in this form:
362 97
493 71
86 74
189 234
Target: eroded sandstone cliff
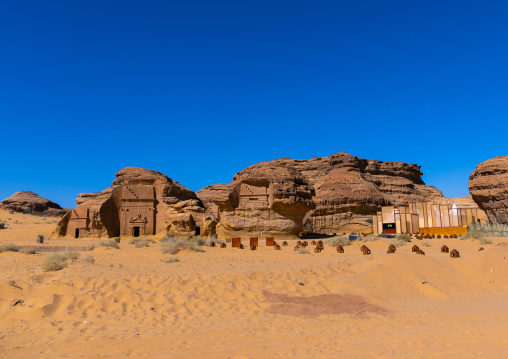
488 184
335 194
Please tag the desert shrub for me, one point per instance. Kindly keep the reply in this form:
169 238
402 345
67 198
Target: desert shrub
200 241
141 242
397 243
426 244
2 225
27 250
92 247
404 237
170 260
9 247
302 250
72 255
476 235
144 243
89 259
485 240
117 239
40 238
338 241
173 245
217 241
54 262
472 235
369 238
110 243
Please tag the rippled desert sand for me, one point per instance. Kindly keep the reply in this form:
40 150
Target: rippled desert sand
231 303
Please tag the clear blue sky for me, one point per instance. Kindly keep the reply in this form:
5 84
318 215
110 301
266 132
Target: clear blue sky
200 90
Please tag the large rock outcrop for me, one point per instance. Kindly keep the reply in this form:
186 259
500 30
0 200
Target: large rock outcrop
270 200
140 202
488 184
345 189
30 202
208 193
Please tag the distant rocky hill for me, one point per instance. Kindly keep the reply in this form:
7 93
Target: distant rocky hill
488 184
338 193
30 202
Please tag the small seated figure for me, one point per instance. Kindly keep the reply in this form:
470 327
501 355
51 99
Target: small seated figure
415 248
340 249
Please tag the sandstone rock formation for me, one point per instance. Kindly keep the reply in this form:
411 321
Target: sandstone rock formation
83 197
269 200
346 191
140 202
488 184
29 202
208 193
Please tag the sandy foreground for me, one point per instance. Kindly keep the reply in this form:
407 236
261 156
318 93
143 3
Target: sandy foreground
231 303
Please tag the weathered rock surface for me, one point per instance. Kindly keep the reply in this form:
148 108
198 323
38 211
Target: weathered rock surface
30 202
140 202
488 184
83 197
345 191
208 193
261 200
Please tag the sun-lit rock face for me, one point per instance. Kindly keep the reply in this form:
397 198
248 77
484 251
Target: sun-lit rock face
488 184
30 202
334 194
140 202
264 199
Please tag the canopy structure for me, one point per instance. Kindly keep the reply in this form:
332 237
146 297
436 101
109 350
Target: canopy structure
414 217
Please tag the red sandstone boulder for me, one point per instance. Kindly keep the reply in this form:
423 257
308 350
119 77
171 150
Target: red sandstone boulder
488 184
30 202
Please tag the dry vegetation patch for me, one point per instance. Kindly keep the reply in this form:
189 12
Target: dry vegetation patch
173 245
338 241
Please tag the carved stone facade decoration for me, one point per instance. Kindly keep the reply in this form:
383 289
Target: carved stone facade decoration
140 202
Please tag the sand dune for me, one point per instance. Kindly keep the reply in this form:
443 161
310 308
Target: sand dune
230 303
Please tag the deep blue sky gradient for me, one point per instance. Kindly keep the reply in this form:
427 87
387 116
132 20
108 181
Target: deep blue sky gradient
200 90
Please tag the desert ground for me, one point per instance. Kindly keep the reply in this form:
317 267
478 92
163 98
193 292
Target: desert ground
232 303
